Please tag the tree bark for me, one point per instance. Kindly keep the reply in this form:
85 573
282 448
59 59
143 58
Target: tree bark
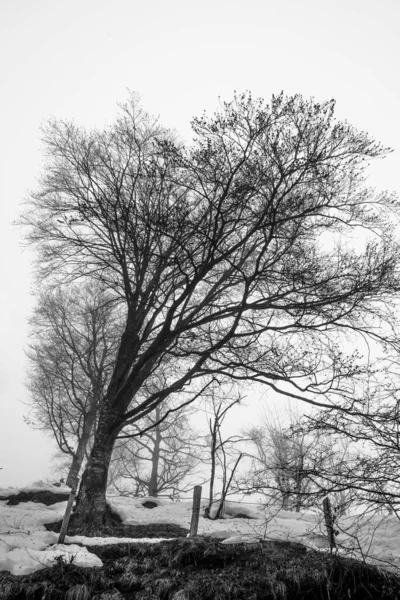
213 432
153 481
79 455
298 489
285 500
90 508
225 488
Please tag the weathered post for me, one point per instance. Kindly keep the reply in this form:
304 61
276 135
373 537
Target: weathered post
67 516
195 510
329 522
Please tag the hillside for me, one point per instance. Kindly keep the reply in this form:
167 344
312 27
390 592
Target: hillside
146 554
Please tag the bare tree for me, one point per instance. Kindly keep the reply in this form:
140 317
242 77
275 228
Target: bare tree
161 460
371 476
281 461
75 335
224 453
223 254
289 463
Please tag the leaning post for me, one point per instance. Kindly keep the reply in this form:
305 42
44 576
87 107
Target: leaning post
195 510
67 515
329 522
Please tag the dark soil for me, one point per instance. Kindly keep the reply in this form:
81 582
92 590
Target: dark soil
204 569
42 496
149 504
156 530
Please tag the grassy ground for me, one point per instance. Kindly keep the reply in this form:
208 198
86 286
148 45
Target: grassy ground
203 569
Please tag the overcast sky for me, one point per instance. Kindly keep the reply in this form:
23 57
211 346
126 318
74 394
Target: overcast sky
76 59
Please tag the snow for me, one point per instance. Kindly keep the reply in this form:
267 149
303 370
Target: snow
26 546
232 509
37 487
99 541
132 511
22 561
29 515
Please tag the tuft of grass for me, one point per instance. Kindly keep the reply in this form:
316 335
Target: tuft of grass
109 596
181 595
78 592
64 581
130 582
184 595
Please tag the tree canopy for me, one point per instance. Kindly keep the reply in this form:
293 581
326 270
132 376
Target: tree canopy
232 256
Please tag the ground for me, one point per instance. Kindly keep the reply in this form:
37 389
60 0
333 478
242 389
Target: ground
144 553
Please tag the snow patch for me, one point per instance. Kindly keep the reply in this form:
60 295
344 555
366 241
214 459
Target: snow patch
38 487
99 541
242 539
26 546
132 512
237 510
22 561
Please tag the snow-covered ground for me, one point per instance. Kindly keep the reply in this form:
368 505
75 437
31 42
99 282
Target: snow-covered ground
26 545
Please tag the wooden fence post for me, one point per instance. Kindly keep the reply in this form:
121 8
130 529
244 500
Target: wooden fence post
67 515
329 522
195 510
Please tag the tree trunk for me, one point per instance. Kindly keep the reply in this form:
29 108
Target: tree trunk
90 508
341 509
213 465
285 500
299 499
153 481
225 488
77 460
299 477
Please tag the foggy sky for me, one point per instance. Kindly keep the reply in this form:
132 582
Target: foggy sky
76 60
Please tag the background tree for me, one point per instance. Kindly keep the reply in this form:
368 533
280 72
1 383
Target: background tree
280 462
226 255
225 454
75 333
289 463
371 476
161 459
